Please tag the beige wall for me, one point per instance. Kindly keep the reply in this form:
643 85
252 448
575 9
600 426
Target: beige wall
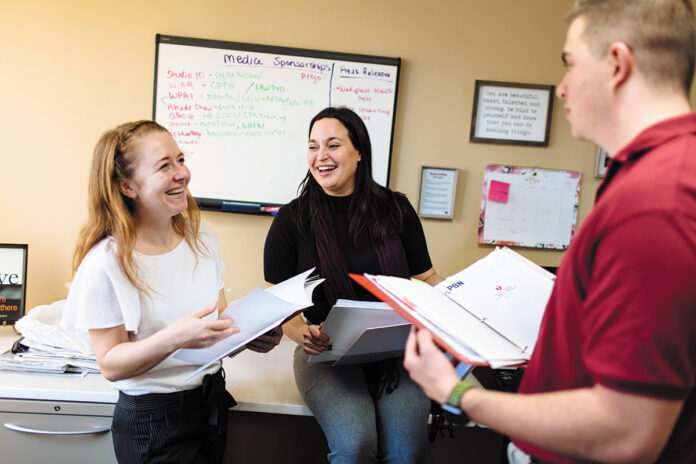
72 69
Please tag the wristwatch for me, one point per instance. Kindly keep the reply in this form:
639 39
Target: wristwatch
452 404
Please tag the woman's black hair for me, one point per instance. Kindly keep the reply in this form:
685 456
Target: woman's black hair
373 211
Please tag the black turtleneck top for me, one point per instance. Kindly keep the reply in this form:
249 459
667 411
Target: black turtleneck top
288 253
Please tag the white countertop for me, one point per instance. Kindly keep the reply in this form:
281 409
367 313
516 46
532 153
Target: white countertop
265 382
259 382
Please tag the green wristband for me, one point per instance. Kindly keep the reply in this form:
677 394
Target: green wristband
457 393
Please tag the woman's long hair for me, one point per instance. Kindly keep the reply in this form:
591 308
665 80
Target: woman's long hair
372 211
375 215
111 213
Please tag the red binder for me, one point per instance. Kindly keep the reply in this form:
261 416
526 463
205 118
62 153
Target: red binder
395 303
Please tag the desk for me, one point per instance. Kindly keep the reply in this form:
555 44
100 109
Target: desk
261 383
269 408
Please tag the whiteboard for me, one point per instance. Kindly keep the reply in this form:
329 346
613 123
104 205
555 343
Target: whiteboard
241 112
528 207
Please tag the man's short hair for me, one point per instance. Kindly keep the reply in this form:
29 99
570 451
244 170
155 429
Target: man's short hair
660 33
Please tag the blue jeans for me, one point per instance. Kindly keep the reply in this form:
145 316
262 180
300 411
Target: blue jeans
392 429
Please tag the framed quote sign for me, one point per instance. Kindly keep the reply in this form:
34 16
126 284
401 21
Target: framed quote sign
513 114
13 282
438 187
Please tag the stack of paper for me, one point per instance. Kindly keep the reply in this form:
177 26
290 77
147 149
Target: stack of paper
38 357
363 331
488 313
46 347
10 362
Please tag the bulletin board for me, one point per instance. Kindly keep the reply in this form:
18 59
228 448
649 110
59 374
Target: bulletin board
528 207
241 113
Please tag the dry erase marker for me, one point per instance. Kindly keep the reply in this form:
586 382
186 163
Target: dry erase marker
236 207
273 210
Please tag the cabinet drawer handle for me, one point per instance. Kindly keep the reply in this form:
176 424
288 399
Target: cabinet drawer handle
19 428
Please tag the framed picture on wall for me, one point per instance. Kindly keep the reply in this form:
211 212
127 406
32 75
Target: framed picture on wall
511 113
13 282
438 187
601 162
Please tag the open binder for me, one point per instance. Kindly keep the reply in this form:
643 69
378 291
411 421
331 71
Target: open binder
363 331
486 314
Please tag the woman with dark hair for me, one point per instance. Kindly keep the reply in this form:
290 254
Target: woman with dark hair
343 221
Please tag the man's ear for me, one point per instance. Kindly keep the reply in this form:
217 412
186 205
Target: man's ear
622 61
124 185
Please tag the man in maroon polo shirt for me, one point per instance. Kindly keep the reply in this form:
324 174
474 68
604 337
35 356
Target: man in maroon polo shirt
612 375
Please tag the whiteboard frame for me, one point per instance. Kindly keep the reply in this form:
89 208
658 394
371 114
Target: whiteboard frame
249 206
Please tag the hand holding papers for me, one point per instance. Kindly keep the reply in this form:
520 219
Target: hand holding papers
363 331
488 313
256 313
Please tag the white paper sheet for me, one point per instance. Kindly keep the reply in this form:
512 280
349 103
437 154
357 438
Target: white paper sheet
255 314
457 345
501 291
296 289
349 319
445 314
376 344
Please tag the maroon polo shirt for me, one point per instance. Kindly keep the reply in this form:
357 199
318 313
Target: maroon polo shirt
623 310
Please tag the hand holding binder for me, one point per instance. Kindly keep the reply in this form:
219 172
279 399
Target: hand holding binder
486 314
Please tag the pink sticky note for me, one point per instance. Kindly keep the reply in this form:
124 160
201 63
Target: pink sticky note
499 191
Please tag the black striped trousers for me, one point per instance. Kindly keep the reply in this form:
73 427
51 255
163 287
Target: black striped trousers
187 427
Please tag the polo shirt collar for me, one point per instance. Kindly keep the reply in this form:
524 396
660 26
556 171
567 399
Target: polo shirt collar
656 135
646 140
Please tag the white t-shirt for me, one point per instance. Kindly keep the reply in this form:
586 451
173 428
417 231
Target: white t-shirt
101 296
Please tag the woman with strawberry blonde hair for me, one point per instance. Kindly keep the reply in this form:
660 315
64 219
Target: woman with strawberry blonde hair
148 281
